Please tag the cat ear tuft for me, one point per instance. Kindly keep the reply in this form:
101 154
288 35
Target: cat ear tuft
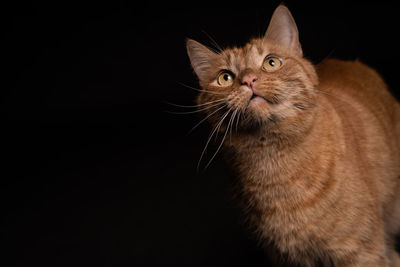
200 57
282 30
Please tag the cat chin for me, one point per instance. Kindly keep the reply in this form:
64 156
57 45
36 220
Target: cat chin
258 108
258 115
258 103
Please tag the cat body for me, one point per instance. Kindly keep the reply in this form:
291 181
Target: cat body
334 192
316 150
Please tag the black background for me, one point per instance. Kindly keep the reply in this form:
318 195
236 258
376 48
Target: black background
95 172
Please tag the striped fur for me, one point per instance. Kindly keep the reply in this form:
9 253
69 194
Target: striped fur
316 164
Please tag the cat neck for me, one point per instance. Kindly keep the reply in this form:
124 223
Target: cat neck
272 156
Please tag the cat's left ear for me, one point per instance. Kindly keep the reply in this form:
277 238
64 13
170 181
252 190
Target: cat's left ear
200 57
282 30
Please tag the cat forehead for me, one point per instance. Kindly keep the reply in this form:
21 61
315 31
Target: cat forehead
250 56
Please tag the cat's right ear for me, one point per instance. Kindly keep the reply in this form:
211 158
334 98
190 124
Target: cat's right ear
282 30
200 57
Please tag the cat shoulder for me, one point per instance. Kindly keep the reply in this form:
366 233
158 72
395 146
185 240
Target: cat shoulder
342 70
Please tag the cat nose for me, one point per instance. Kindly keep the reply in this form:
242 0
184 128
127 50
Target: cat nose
249 80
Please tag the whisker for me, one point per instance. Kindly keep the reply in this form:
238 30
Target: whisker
330 94
209 138
196 111
311 102
230 132
213 41
341 99
215 111
220 145
195 106
327 56
219 128
200 90
221 51
237 121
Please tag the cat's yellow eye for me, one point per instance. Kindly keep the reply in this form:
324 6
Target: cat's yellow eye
225 78
272 63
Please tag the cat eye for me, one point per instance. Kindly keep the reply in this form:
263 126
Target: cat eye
225 78
272 63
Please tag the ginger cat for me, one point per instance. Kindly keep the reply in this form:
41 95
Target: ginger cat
315 149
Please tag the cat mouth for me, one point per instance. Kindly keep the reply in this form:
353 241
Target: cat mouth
256 97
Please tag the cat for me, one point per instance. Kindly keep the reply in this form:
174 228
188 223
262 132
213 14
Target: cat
315 150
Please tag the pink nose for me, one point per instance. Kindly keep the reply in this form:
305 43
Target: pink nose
249 80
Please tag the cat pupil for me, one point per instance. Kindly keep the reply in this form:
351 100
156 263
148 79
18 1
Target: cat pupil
271 62
226 77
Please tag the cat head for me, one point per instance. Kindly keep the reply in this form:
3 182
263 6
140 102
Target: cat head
265 84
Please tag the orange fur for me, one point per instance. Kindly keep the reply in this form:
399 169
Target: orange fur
316 156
